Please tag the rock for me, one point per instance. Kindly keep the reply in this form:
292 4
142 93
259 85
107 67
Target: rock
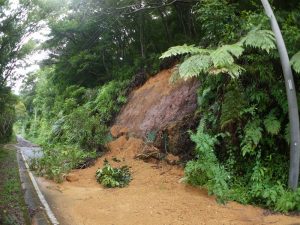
117 131
148 153
72 177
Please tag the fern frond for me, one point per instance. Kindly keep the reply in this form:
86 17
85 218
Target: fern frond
195 65
261 39
175 75
234 102
224 55
252 137
183 49
295 62
233 70
272 124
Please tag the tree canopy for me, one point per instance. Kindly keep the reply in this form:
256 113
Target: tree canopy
101 50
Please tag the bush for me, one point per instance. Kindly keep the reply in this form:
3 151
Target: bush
79 119
240 144
206 171
111 97
57 161
88 133
113 177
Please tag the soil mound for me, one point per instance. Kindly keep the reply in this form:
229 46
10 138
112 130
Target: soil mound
161 110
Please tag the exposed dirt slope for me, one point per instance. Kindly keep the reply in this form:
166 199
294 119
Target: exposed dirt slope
155 196
158 103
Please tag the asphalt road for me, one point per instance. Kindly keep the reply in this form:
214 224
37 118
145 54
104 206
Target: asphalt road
40 212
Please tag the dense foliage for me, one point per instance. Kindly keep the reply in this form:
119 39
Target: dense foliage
98 52
57 161
96 48
17 22
242 140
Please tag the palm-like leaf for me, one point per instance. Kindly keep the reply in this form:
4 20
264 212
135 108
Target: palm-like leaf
233 70
195 65
225 54
222 59
295 62
262 39
183 49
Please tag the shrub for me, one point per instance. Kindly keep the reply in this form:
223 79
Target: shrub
57 161
206 171
113 177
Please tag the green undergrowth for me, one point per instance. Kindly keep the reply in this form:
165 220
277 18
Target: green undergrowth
260 185
242 142
111 177
72 128
57 161
12 206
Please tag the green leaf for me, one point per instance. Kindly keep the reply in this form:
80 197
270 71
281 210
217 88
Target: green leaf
272 124
295 62
253 135
224 55
261 39
195 65
183 49
233 70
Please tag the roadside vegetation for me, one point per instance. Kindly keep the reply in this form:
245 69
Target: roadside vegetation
12 205
243 136
112 177
101 50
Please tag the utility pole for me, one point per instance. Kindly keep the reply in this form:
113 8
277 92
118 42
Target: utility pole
292 99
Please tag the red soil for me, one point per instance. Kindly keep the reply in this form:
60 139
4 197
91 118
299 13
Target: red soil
155 196
157 103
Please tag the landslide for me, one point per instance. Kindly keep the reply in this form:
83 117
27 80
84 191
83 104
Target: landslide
156 195
163 109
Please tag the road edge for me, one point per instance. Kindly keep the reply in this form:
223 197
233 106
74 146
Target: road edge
50 217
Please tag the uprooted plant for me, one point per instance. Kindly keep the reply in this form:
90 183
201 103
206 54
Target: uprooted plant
111 177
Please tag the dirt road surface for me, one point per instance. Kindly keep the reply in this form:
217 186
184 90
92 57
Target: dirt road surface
155 196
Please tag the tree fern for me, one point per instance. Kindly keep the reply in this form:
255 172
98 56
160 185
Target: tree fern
295 62
225 55
233 70
261 39
222 59
195 65
183 49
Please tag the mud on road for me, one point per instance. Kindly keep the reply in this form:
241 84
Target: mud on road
155 196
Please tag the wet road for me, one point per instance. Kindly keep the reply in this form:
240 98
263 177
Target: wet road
39 209
29 150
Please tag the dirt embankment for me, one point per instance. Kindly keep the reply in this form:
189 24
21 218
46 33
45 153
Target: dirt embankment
157 103
156 195
162 110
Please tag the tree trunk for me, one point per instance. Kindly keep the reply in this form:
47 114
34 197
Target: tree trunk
142 38
292 99
161 11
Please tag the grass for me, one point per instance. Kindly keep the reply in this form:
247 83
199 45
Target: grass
12 206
